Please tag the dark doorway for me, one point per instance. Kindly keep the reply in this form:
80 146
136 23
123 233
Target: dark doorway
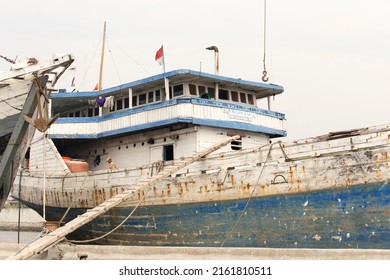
168 152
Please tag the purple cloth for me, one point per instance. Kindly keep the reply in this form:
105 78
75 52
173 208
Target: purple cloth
100 101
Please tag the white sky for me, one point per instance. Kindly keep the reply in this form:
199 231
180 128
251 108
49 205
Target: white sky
332 57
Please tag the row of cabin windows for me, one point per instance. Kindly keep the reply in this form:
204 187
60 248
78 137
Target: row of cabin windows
175 91
236 96
137 100
223 94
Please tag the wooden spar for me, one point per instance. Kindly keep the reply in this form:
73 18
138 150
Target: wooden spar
53 238
102 58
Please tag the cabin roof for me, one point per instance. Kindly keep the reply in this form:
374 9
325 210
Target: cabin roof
260 90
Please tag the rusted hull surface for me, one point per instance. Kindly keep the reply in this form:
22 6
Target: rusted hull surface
313 193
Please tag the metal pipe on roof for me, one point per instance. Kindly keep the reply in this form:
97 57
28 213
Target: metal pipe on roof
216 58
216 67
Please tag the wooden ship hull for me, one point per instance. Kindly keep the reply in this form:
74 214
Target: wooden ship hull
18 98
329 191
325 192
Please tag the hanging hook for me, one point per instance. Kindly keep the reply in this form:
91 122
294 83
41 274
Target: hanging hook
264 77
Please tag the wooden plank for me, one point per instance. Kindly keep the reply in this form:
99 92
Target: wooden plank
48 241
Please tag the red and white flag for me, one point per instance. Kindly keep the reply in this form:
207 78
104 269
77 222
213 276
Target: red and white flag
160 56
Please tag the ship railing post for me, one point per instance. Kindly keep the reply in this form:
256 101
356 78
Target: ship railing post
130 98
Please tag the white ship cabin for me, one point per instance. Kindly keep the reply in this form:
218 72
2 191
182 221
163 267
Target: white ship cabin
157 119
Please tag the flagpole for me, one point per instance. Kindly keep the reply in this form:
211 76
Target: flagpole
166 81
163 57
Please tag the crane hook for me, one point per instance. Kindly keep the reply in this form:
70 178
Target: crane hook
264 77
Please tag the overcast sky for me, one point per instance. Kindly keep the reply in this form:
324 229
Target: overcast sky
332 57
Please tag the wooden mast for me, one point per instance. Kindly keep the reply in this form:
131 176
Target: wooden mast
102 58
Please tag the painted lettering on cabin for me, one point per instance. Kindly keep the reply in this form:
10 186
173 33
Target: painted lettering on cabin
239 115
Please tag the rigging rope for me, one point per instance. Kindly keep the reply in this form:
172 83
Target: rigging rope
113 61
132 59
13 107
93 56
264 77
7 59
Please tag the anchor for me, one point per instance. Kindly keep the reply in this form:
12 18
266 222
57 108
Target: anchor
42 122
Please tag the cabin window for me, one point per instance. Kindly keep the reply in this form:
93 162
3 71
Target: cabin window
236 145
158 95
234 96
177 90
96 111
119 104
201 89
250 99
223 94
192 89
126 101
90 112
168 152
70 115
150 97
142 99
77 114
211 92
243 97
135 101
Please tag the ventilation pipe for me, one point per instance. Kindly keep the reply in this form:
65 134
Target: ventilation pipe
216 67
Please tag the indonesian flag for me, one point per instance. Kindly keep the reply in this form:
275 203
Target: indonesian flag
160 56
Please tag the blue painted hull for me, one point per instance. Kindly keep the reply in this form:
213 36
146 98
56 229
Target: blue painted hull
350 217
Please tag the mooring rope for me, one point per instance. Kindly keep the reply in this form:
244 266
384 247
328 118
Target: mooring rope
250 197
114 229
73 196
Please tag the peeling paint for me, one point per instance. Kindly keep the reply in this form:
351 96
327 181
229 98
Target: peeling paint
338 196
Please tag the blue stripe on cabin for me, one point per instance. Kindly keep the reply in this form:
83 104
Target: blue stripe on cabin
163 104
146 126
